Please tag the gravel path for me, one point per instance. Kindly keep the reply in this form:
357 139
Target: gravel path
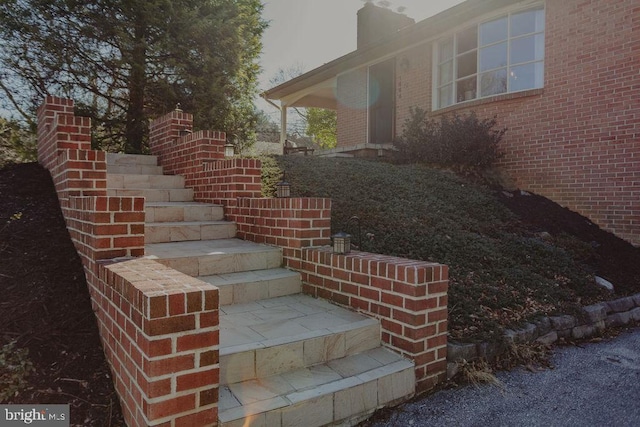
591 385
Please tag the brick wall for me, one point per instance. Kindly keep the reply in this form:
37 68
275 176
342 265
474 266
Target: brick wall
577 140
352 108
292 224
199 157
159 328
409 297
160 331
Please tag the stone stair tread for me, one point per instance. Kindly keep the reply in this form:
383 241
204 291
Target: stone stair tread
133 169
154 194
249 286
219 256
355 386
137 181
180 204
183 231
131 159
187 223
201 248
282 320
248 276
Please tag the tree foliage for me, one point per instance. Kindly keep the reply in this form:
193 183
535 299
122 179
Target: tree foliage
17 143
321 126
125 61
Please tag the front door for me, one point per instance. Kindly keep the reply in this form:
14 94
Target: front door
381 102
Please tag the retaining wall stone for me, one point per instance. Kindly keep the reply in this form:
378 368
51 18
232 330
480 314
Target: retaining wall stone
548 330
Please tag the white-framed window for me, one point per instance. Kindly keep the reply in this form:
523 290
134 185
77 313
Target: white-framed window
505 54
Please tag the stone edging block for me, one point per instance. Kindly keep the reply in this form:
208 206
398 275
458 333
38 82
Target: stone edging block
548 330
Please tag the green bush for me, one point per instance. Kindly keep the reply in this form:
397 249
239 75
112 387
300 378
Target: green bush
463 143
17 143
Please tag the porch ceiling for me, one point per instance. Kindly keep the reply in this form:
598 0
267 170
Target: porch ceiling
320 96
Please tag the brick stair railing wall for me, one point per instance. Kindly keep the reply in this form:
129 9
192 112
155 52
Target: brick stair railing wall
409 297
159 328
199 158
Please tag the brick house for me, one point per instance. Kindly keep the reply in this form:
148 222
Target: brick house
562 75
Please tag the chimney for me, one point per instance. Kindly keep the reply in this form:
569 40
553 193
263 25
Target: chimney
376 23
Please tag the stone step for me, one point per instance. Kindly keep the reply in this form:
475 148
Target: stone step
270 337
182 211
340 392
161 232
250 286
155 195
134 169
211 257
131 159
136 181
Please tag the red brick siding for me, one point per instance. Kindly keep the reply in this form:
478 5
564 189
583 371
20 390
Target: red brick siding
409 297
352 108
577 141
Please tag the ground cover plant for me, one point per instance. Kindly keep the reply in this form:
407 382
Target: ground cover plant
504 268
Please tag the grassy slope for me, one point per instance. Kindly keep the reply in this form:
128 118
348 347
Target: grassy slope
501 274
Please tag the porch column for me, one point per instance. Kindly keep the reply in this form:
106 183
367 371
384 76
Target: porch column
283 126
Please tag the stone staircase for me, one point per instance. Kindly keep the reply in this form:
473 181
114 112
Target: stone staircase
286 359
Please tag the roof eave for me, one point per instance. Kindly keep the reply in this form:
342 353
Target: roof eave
421 32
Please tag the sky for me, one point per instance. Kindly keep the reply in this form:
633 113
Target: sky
309 33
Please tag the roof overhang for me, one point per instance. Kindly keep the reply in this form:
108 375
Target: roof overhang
317 88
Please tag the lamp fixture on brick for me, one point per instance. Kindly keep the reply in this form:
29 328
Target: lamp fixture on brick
229 150
341 243
283 188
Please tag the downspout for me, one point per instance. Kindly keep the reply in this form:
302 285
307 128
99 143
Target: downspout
283 120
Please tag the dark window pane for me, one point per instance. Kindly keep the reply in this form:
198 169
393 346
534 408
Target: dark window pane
493 82
467 64
467 89
493 57
493 32
467 40
525 49
527 22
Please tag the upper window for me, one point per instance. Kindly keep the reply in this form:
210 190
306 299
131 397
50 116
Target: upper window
499 56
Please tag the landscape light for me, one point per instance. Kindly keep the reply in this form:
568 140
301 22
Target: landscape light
341 243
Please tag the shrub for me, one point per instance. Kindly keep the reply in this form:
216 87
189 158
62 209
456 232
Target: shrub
463 143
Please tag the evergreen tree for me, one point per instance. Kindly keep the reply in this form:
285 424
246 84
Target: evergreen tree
125 61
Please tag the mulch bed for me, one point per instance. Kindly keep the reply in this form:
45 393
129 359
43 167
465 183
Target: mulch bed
610 257
45 305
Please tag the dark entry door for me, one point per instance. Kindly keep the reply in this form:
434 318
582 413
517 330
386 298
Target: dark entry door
381 102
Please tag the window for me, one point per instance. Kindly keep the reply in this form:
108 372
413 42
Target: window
499 56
